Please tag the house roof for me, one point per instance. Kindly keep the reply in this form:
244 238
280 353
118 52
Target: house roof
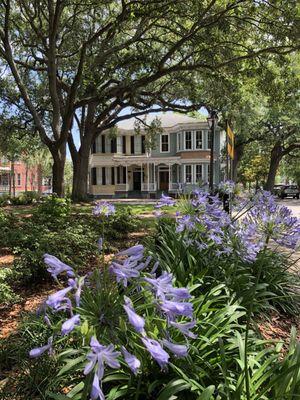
168 120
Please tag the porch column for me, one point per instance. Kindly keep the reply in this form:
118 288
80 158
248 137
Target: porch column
126 169
170 178
141 176
154 177
148 175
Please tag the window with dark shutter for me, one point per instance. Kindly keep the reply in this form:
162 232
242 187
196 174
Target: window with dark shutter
112 175
118 175
132 144
94 176
143 144
103 143
124 144
103 176
124 174
113 145
94 147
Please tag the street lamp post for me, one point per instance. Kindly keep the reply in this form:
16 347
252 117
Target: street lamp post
212 120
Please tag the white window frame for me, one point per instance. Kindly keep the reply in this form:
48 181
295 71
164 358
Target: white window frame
202 173
168 135
185 132
185 170
209 132
202 136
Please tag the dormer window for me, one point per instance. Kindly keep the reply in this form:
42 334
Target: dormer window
164 143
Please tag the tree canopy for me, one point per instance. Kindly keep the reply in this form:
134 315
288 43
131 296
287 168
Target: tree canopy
76 66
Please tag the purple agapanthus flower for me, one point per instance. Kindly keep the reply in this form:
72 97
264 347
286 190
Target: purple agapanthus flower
77 284
179 350
135 320
70 324
131 360
184 328
174 308
99 356
131 267
96 392
123 272
134 251
156 351
164 289
37 352
55 300
165 201
100 244
104 208
56 267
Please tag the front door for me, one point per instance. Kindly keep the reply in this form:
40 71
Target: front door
164 180
136 180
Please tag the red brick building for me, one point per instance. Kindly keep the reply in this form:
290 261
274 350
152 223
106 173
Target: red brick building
19 177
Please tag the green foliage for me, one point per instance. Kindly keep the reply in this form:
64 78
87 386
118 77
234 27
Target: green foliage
277 285
7 294
54 207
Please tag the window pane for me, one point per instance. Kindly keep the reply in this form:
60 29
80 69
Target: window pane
199 172
209 139
165 143
199 143
132 144
188 173
188 140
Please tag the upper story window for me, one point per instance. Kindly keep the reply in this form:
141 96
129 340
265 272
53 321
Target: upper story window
103 143
132 144
124 144
143 144
164 143
199 140
113 145
188 140
209 139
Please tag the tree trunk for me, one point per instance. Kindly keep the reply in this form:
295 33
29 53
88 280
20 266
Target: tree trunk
80 172
276 156
58 169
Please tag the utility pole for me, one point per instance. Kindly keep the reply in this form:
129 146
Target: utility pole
212 124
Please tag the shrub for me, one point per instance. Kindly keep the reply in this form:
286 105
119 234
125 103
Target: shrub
54 207
7 294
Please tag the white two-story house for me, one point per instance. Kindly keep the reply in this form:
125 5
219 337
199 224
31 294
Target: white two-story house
177 162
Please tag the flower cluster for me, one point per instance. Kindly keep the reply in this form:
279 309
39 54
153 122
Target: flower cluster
227 187
204 224
135 278
104 208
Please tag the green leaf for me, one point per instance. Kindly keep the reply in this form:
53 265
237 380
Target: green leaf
71 364
173 387
207 393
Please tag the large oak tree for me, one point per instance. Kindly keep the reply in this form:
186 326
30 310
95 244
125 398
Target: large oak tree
77 66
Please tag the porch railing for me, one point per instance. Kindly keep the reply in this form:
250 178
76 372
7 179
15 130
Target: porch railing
122 187
4 188
175 186
149 187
